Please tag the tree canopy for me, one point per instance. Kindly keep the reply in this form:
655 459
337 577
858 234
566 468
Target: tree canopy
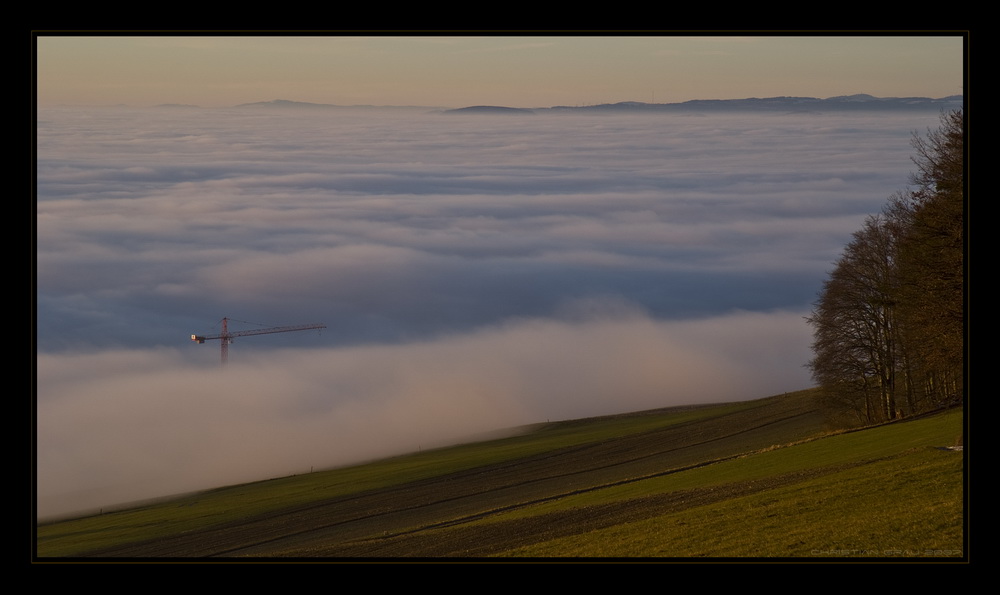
889 323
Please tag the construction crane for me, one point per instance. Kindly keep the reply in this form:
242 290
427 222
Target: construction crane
226 337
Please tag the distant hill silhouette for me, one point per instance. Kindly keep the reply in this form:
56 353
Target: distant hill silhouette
782 104
490 109
860 102
289 104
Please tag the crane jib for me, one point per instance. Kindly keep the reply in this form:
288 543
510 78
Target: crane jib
228 336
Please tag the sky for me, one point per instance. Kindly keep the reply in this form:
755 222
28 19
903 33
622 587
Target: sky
514 70
474 273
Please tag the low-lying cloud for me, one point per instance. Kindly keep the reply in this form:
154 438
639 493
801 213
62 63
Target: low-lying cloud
116 426
473 273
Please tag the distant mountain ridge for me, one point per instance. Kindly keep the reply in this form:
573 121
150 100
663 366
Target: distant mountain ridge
785 103
287 103
857 102
490 109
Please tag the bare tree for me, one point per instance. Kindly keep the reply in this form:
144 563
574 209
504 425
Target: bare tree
855 334
889 320
932 264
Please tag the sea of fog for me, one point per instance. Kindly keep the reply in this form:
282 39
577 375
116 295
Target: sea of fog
474 273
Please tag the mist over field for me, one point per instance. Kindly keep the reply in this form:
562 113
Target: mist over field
474 273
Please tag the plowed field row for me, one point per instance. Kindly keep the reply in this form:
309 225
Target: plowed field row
407 520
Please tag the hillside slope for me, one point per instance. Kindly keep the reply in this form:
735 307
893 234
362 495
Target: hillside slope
560 481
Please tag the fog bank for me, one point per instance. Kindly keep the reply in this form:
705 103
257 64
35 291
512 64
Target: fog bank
117 426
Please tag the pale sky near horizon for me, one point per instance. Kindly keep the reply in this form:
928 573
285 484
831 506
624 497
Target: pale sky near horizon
461 70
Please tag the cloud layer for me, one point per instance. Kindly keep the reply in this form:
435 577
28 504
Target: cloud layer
473 273
115 426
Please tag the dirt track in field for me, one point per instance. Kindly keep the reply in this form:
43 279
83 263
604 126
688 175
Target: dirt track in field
431 518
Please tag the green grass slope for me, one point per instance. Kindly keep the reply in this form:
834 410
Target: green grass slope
749 479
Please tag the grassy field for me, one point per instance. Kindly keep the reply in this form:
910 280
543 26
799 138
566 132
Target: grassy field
886 492
756 479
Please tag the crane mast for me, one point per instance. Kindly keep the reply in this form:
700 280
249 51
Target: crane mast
226 337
